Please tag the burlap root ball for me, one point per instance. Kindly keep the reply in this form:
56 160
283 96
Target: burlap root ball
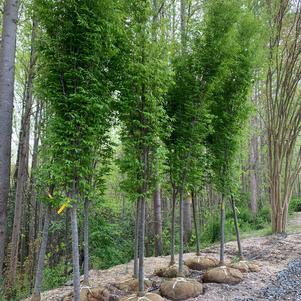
223 274
90 294
181 289
245 266
201 263
146 297
131 285
171 271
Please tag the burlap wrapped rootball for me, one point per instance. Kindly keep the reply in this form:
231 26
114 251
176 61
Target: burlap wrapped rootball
181 289
223 274
201 263
146 297
171 271
245 266
90 294
131 285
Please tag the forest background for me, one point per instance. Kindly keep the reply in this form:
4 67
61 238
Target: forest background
166 102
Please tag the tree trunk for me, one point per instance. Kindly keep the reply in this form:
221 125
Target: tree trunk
141 247
240 252
187 227
75 253
142 225
22 177
40 267
253 174
173 222
7 76
181 232
158 221
222 246
86 242
66 240
136 251
196 222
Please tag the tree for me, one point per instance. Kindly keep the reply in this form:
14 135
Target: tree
142 116
7 75
282 105
77 52
23 159
227 75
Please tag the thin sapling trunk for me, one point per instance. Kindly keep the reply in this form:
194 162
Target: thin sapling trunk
173 221
86 242
181 232
222 246
195 219
136 251
75 253
240 252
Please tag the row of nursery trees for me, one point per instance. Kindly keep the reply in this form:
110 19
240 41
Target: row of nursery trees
173 80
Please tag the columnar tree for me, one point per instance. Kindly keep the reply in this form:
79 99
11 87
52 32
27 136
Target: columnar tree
190 120
227 75
76 55
141 108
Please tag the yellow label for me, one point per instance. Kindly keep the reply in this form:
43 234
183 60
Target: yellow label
61 209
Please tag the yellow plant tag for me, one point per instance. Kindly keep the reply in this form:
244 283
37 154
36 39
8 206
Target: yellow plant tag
62 208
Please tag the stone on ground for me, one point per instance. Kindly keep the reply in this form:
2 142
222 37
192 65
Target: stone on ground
146 297
201 263
170 272
90 294
132 284
223 274
181 289
245 266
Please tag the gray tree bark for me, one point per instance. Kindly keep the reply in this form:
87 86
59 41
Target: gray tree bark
158 221
22 175
7 76
196 222
40 267
142 224
240 253
222 221
173 222
187 225
75 253
136 250
86 242
181 249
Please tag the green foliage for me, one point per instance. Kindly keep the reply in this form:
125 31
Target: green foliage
54 277
295 205
190 124
226 63
77 52
140 103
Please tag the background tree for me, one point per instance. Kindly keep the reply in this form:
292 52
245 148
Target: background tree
282 106
7 76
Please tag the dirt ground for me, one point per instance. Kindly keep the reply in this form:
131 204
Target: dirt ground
271 253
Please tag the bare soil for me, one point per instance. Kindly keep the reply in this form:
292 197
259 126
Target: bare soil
271 253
